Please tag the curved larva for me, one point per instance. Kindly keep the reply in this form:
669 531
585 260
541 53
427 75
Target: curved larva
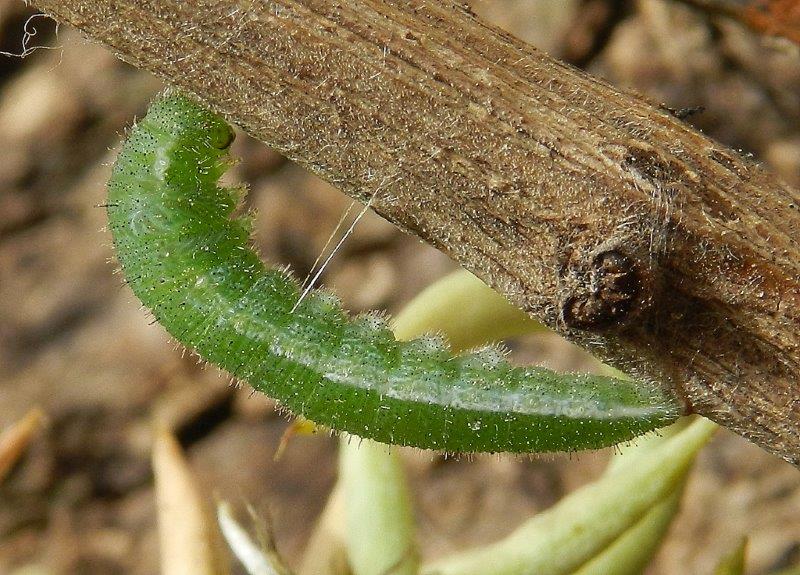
189 262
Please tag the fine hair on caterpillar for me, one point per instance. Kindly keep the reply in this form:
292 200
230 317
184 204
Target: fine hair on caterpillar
190 263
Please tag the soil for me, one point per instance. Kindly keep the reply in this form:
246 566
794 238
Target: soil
74 341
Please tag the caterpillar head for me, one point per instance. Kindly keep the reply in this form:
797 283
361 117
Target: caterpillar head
173 114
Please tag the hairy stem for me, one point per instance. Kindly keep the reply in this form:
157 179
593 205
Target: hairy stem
595 211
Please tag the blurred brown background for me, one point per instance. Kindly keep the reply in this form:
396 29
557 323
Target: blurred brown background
74 341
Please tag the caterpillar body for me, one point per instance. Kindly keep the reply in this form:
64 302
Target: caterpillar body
189 261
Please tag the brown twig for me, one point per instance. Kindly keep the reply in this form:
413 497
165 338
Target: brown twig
592 209
771 17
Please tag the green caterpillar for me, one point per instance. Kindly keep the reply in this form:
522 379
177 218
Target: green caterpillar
189 262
